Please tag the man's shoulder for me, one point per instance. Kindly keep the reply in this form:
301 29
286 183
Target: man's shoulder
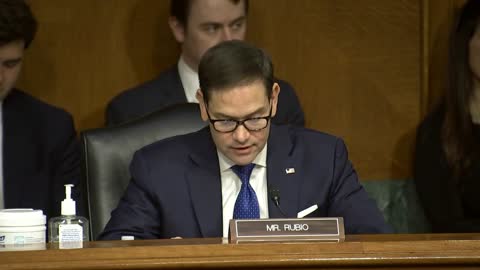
163 91
26 104
167 80
305 141
307 135
177 145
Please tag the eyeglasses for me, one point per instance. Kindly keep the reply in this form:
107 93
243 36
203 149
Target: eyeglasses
230 125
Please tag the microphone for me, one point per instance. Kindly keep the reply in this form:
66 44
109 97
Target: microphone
275 196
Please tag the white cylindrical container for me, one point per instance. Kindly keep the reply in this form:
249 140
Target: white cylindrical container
22 226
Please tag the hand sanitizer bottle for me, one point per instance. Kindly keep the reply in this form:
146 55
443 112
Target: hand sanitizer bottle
68 229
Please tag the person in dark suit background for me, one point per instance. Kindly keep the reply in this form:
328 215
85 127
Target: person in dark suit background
40 152
447 155
197 25
192 185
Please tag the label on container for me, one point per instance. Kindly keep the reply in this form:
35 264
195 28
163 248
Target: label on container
70 235
20 238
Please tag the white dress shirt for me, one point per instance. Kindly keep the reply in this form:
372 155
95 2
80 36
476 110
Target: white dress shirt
189 78
231 185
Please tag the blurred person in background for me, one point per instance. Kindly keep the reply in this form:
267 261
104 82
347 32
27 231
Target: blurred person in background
447 158
39 151
196 25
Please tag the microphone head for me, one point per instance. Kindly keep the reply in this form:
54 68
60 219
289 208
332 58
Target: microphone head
274 193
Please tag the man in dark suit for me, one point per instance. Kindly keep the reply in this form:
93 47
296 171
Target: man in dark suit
197 25
192 185
40 151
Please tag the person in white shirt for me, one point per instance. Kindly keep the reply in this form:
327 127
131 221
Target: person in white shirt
197 25
192 185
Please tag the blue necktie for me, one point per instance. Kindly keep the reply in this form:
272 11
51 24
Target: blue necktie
246 206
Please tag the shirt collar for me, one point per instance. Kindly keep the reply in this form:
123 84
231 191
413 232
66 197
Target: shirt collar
225 163
189 78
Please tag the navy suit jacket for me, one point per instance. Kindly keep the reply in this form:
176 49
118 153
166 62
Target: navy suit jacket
167 89
40 154
176 188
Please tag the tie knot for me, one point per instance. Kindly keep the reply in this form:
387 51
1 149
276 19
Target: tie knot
243 172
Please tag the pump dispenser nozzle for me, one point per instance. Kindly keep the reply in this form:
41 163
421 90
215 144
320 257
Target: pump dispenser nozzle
68 205
68 229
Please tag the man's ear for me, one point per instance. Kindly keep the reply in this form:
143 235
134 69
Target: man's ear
177 28
203 106
275 93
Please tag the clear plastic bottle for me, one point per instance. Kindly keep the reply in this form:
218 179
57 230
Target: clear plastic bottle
68 229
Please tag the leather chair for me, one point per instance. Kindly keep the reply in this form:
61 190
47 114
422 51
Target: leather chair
108 152
398 201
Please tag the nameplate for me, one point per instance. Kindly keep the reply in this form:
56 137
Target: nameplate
287 229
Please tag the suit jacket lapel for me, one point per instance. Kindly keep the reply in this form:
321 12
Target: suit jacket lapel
177 92
283 172
205 185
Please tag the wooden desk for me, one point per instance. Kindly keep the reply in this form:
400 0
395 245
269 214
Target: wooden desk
423 251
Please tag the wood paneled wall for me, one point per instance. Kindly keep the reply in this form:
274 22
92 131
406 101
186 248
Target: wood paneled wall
87 51
363 70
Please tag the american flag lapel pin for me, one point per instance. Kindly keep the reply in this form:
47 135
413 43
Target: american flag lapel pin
289 170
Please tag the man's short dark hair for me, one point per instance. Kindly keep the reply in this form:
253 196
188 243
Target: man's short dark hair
16 22
180 9
234 63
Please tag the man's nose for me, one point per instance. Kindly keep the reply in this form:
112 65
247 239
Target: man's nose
227 34
241 134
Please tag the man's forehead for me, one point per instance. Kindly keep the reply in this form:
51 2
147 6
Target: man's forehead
222 109
220 11
253 93
12 50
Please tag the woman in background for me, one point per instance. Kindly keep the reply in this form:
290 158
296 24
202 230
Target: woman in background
447 158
